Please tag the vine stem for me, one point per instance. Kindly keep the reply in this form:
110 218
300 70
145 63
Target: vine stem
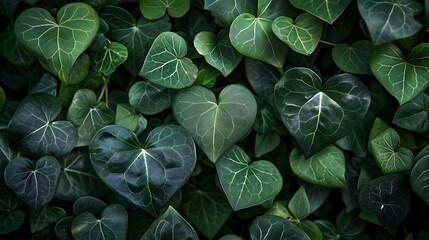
105 90
328 43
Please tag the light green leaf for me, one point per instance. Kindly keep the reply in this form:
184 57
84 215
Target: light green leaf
45 216
299 205
166 64
88 115
149 98
207 77
12 50
128 118
403 77
353 58
218 51
378 127
266 142
326 168
11 218
275 227
105 61
413 115
327 10
215 124
226 10
154 9
57 43
390 20
247 184
302 35
420 179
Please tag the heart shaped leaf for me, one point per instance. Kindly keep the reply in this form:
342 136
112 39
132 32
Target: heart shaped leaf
57 43
218 51
215 124
353 58
275 227
12 50
33 183
413 115
11 218
327 10
420 179
112 224
390 20
108 58
302 35
247 184
33 131
154 9
148 175
43 217
318 113
226 11
326 168
403 77
299 205
166 64
149 98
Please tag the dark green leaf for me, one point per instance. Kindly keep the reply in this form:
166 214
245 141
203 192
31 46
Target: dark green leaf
328 229
6 153
327 10
299 205
420 179
353 58
89 204
311 229
12 50
63 228
10 217
265 118
414 115
194 22
226 11
154 9
66 92
8 7
342 27
149 98
266 142
45 216
349 224
317 195
46 84
8 111
274 227
108 58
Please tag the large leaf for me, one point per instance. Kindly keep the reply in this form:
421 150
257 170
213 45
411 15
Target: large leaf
205 206
215 124
33 131
390 20
326 168
170 226
403 77
57 43
166 64
218 51
33 183
112 224
247 184
413 115
301 35
318 113
388 197
353 58
154 9
420 179
327 10
146 175
12 50
275 227
108 58
226 10
137 36
149 98
11 218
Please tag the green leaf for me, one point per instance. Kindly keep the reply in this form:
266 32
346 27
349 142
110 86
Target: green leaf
317 195
207 77
218 51
154 9
63 228
253 37
45 216
327 10
8 110
79 70
166 64
390 20
89 204
226 11
349 224
326 168
388 197
66 93
265 118
389 154
149 98
311 229
128 118
57 43
378 127
403 77
106 60
46 84
272 9
169 226
414 115
299 205
247 184
112 224
6 153
328 229
353 58
215 124
342 27
193 23
8 7
137 36
33 131
88 115
275 227
318 113
302 35
213 207
266 142
420 179
146 175
77 177
33 183
2 99
10 217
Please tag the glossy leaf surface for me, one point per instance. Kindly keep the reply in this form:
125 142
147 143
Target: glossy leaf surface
327 10
413 115
275 227
154 9
353 58
420 179
149 98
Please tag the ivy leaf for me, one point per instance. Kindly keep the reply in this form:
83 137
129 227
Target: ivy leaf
12 50
299 205
149 98
403 77
326 168
154 9
413 115
247 184
88 115
353 58
266 143
108 58
128 118
388 197
45 216
327 10
302 35
218 51
169 226
137 36
11 218
275 227
215 124
420 179
45 37
226 11
111 225
46 84
390 20
146 175
33 131
318 113
166 63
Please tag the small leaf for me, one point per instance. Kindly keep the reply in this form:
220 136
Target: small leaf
89 204
154 9
63 228
274 227
45 216
10 217
349 224
128 118
326 10
420 179
328 229
266 142
46 84
226 11
247 184
207 77
12 50
299 205
353 58
414 115
149 98
378 127
108 58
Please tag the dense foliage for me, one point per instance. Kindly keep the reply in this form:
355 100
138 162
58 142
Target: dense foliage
214 119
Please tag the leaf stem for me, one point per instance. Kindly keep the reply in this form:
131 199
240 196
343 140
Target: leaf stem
281 71
328 43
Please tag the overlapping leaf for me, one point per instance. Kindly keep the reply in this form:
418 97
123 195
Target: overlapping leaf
154 9
420 179
149 98
353 58
108 58
413 115
43 217
226 11
275 227
327 10
11 218
12 50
